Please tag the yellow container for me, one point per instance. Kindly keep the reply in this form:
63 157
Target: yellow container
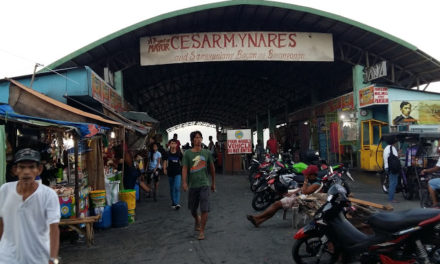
128 196
98 198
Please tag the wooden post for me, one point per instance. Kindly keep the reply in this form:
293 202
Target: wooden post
75 142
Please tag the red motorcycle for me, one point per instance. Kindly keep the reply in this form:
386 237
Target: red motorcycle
410 236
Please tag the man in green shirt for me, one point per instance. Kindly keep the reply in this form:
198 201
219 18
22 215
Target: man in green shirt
196 162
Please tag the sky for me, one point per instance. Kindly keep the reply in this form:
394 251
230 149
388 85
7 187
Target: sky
46 30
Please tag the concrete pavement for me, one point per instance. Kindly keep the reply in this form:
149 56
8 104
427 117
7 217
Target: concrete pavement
162 235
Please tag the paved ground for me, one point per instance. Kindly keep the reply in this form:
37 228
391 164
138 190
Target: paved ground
162 235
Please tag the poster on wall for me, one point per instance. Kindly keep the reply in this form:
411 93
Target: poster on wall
415 113
372 95
239 141
96 88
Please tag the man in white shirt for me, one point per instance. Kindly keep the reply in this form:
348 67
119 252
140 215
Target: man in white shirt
392 177
29 215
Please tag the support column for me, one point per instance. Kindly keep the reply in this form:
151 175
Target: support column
119 83
271 122
358 84
164 138
259 128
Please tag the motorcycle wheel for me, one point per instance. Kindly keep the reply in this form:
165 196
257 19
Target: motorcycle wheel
384 182
251 176
261 201
255 184
305 250
425 200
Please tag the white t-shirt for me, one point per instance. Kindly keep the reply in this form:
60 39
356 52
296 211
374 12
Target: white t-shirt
386 153
26 224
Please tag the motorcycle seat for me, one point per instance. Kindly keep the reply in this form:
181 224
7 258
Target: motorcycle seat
396 221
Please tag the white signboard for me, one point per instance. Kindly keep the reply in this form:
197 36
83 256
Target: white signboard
376 71
239 141
236 46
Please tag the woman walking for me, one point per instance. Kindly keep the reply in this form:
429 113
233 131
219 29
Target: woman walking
173 168
154 168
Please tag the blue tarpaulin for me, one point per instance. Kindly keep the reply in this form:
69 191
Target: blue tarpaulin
83 129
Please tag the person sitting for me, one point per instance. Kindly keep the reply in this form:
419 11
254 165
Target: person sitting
311 184
433 184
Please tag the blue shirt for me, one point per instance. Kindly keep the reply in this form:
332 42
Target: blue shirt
154 160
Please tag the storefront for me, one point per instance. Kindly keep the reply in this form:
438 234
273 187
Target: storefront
329 127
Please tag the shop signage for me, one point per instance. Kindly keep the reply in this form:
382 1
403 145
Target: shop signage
105 94
415 113
239 141
236 46
376 71
372 95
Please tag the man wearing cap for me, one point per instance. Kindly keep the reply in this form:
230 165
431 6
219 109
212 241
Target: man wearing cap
310 186
29 215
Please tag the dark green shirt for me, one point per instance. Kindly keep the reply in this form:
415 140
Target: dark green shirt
197 164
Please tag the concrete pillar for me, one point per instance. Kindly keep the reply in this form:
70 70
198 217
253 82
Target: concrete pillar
259 128
164 138
271 122
358 84
119 87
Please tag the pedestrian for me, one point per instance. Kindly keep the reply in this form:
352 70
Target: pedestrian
310 187
29 215
195 176
154 168
175 139
272 145
259 149
173 168
211 145
392 176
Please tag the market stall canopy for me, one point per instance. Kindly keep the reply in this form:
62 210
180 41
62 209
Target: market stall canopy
27 101
234 92
139 116
84 130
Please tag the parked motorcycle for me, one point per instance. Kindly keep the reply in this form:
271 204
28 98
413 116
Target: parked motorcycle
273 188
410 236
278 182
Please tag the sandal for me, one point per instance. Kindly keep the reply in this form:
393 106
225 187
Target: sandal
201 236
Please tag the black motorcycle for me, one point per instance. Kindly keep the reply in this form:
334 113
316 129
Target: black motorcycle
410 236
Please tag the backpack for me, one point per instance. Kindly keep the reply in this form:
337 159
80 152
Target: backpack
394 165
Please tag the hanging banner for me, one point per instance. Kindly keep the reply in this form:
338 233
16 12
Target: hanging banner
372 95
239 141
415 112
236 46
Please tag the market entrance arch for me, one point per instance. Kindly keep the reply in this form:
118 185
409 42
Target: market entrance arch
246 92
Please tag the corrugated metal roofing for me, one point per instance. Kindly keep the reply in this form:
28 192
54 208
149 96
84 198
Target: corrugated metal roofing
285 85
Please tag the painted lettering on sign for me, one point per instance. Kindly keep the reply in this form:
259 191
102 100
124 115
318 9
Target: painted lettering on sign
240 46
239 141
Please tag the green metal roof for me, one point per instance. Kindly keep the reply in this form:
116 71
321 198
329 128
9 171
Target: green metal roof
225 4
233 92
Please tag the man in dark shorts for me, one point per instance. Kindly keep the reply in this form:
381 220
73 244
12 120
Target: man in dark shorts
196 162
